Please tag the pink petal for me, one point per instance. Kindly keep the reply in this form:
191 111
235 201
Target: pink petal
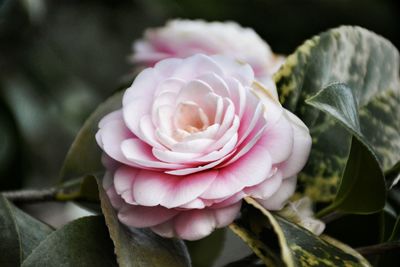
113 116
115 199
195 66
245 147
157 188
139 216
147 132
187 171
238 95
265 189
193 146
226 215
222 152
123 181
279 199
232 67
278 139
227 135
195 91
189 188
226 184
175 157
268 84
167 67
110 138
301 148
217 84
143 88
249 170
229 115
253 114
140 153
195 224
165 229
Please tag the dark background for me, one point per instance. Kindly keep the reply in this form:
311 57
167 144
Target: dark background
60 59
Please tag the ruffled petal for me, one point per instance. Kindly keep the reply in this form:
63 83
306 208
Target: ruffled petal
279 199
301 148
157 188
140 216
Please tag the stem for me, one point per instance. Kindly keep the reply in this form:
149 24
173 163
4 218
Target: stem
31 195
58 193
379 248
327 218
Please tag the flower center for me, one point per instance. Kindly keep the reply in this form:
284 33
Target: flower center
190 118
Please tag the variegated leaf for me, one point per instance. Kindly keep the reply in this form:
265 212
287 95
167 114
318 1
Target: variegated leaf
369 65
279 242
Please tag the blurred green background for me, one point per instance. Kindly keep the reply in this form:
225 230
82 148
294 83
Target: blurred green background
60 59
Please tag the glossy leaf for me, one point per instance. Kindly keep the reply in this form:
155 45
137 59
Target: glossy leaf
83 242
84 155
141 247
369 64
279 242
19 233
362 176
250 261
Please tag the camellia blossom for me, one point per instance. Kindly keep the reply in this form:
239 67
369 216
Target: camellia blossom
195 136
183 38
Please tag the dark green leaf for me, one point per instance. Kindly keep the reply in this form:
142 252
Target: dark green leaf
205 251
362 175
250 261
83 242
393 175
395 235
279 242
369 64
141 247
19 234
84 155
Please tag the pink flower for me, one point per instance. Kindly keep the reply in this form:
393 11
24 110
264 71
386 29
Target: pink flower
183 38
193 137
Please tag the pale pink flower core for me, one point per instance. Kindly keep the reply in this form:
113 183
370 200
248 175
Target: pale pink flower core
183 38
193 137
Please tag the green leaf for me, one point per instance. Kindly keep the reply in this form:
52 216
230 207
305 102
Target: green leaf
83 242
205 251
395 235
369 65
141 247
250 261
362 176
84 155
279 242
393 175
19 233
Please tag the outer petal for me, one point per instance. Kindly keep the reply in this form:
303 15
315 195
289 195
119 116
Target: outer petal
110 138
301 148
278 200
278 140
267 188
246 171
232 67
196 224
140 216
156 188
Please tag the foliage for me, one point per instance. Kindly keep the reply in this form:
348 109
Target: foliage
344 83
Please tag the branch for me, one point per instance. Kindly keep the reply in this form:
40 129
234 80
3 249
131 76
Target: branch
379 248
32 195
